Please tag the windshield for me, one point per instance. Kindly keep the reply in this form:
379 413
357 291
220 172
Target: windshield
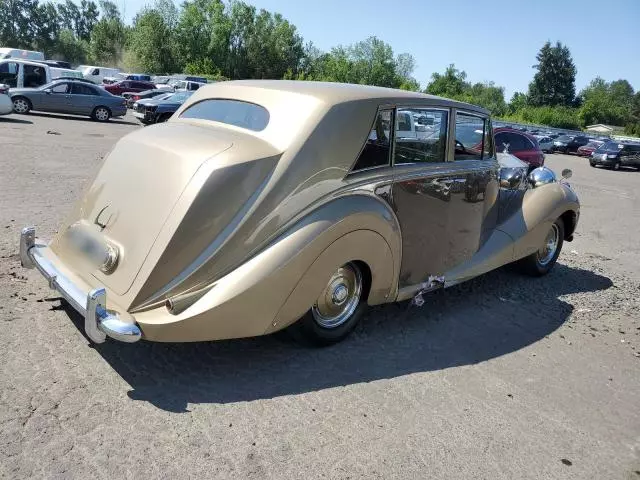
179 97
610 147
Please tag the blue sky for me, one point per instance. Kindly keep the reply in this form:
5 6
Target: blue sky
493 40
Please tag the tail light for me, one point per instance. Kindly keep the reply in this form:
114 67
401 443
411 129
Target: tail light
136 98
4 88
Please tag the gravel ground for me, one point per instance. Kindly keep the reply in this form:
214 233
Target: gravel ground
499 378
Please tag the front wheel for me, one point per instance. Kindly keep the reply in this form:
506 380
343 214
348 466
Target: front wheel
616 166
542 261
336 311
101 114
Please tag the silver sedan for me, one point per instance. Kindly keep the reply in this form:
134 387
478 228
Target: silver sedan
75 97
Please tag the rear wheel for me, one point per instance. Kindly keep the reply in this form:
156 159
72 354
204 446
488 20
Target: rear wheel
336 311
21 105
101 114
542 261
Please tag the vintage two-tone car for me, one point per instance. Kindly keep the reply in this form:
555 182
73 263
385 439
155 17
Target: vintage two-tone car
262 205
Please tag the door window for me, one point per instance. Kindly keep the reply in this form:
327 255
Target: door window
510 142
421 136
60 88
80 89
470 137
377 149
9 74
34 76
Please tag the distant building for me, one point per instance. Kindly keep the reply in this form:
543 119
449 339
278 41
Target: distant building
605 129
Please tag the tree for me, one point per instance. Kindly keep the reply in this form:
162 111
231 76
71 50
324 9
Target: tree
518 102
17 27
554 82
152 42
70 48
451 84
108 36
609 103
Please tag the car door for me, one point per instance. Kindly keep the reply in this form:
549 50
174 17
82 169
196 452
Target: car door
444 192
82 99
57 98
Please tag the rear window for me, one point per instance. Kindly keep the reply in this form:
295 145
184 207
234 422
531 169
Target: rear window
232 112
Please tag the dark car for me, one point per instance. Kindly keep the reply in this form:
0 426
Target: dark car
519 144
615 155
159 109
133 97
69 96
569 144
119 88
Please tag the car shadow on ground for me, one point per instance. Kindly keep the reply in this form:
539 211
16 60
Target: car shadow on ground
115 120
14 120
482 319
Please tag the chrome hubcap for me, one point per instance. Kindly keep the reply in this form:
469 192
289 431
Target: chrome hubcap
20 106
340 297
548 250
102 114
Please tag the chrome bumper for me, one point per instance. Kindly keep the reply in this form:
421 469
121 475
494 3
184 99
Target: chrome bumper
98 321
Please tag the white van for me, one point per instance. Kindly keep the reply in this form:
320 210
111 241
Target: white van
96 74
20 73
19 54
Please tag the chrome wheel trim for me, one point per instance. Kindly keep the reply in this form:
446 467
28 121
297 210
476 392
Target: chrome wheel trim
548 250
20 105
102 114
340 298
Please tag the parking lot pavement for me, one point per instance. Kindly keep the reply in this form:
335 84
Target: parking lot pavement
501 377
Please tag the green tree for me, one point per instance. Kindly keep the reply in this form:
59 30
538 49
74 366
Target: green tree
451 84
70 48
109 36
609 103
152 41
17 27
518 102
555 80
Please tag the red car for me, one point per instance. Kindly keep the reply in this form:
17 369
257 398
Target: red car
589 148
119 88
519 144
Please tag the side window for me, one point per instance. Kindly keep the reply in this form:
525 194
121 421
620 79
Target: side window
34 76
61 88
9 74
80 89
377 150
95 71
470 135
519 143
417 142
502 141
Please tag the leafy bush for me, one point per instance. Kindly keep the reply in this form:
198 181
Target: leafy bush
558 117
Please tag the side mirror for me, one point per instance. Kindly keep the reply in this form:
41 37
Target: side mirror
567 173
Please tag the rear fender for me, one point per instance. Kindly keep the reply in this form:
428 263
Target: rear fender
279 284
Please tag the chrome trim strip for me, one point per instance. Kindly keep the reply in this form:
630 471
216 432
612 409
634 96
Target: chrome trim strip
99 322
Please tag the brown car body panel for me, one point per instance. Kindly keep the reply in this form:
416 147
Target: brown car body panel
237 231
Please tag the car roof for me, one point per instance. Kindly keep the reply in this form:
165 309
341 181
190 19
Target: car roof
335 93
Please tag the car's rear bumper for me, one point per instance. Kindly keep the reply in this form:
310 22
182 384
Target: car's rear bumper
99 322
